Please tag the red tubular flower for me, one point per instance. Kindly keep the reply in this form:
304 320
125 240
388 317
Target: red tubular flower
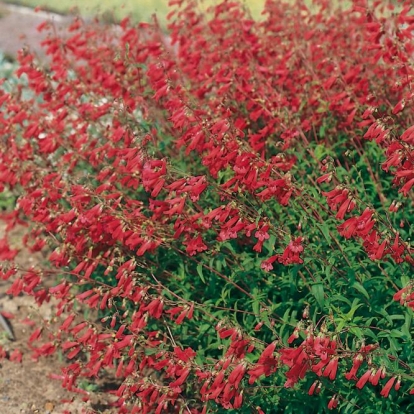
380 251
36 334
295 335
155 308
256 372
363 380
292 252
184 355
237 375
268 351
315 387
399 107
331 369
6 253
323 347
387 387
180 380
333 403
238 400
335 197
375 376
225 333
195 245
120 369
298 361
174 311
358 359
347 228
397 250
324 178
317 368
405 295
347 206
16 356
258 326
262 234
266 365
406 187
398 384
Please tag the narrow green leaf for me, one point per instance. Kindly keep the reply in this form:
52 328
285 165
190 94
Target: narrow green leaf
265 317
325 231
408 320
256 307
405 280
340 298
357 332
318 292
360 289
200 272
350 315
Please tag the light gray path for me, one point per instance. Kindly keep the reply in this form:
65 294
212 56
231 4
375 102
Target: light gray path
18 28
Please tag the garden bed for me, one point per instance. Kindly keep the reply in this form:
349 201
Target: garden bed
225 224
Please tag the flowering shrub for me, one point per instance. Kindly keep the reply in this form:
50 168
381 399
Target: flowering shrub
232 204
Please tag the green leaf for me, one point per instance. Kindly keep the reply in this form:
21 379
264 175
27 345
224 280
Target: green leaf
370 333
357 332
319 294
341 299
322 129
360 289
200 272
408 320
325 231
328 272
256 304
270 243
350 315
265 317
385 314
405 280
340 323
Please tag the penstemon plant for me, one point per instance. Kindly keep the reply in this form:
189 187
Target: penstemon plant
232 203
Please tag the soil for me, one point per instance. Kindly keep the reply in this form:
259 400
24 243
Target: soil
26 387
